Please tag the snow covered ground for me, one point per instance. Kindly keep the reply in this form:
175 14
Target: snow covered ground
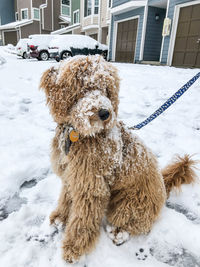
29 190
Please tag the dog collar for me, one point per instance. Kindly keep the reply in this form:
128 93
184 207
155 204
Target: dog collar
71 136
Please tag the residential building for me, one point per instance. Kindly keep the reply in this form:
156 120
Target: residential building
89 17
36 17
156 31
7 13
74 26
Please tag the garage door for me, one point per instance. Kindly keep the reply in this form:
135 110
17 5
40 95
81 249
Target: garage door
10 37
187 44
126 40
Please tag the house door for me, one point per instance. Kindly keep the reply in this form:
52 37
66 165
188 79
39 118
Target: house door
126 40
187 44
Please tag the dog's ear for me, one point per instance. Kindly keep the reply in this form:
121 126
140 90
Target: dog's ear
48 81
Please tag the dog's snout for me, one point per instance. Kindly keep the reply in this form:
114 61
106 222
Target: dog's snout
104 114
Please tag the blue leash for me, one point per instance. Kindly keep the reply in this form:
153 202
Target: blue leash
167 104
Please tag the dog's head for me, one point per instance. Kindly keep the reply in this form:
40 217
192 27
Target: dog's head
83 92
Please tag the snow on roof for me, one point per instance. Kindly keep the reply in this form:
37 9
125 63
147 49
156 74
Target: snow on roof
66 29
16 24
65 19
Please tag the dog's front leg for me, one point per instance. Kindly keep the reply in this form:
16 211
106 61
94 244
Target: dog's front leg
61 213
88 208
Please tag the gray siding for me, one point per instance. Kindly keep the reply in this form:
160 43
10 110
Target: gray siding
153 37
7 11
129 14
172 5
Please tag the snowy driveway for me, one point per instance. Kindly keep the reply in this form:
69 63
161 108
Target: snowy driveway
29 190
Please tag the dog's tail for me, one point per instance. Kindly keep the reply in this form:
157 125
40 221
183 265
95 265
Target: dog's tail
179 172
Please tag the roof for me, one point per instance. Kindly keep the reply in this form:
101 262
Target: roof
16 24
65 19
67 29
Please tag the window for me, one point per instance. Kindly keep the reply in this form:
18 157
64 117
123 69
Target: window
24 13
36 13
88 8
76 16
96 6
109 3
65 7
16 16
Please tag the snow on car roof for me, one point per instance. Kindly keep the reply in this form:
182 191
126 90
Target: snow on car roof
76 41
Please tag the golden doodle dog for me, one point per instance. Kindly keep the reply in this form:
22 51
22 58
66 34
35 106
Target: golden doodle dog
106 171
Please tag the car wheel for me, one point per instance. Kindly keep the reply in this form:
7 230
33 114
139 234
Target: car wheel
65 55
44 56
25 56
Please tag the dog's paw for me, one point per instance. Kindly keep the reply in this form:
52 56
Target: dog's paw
56 219
142 254
70 253
117 235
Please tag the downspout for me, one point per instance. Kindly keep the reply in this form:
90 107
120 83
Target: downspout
52 5
163 39
99 22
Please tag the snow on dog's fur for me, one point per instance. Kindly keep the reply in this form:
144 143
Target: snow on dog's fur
108 171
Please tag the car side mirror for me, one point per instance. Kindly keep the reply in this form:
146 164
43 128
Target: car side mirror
97 46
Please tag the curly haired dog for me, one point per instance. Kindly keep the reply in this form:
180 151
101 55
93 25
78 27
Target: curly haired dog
108 172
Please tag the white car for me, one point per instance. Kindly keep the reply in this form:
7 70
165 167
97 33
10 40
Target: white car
38 45
64 46
21 48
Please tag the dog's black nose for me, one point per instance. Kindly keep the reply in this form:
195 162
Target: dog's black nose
104 114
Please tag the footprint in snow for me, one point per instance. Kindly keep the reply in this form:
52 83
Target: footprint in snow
142 254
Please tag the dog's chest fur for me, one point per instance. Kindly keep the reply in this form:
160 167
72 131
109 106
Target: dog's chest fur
102 155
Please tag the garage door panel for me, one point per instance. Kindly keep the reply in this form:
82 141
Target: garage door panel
192 44
126 40
185 13
188 32
178 59
181 44
189 59
183 29
194 27
195 12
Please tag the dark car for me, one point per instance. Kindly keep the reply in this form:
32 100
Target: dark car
65 46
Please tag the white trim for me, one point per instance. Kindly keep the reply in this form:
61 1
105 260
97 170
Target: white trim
31 9
109 34
76 11
67 29
20 33
33 13
99 22
93 26
174 28
114 45
144 26
128 6
24 9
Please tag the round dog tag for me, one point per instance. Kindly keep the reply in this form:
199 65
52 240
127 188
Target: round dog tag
74 136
